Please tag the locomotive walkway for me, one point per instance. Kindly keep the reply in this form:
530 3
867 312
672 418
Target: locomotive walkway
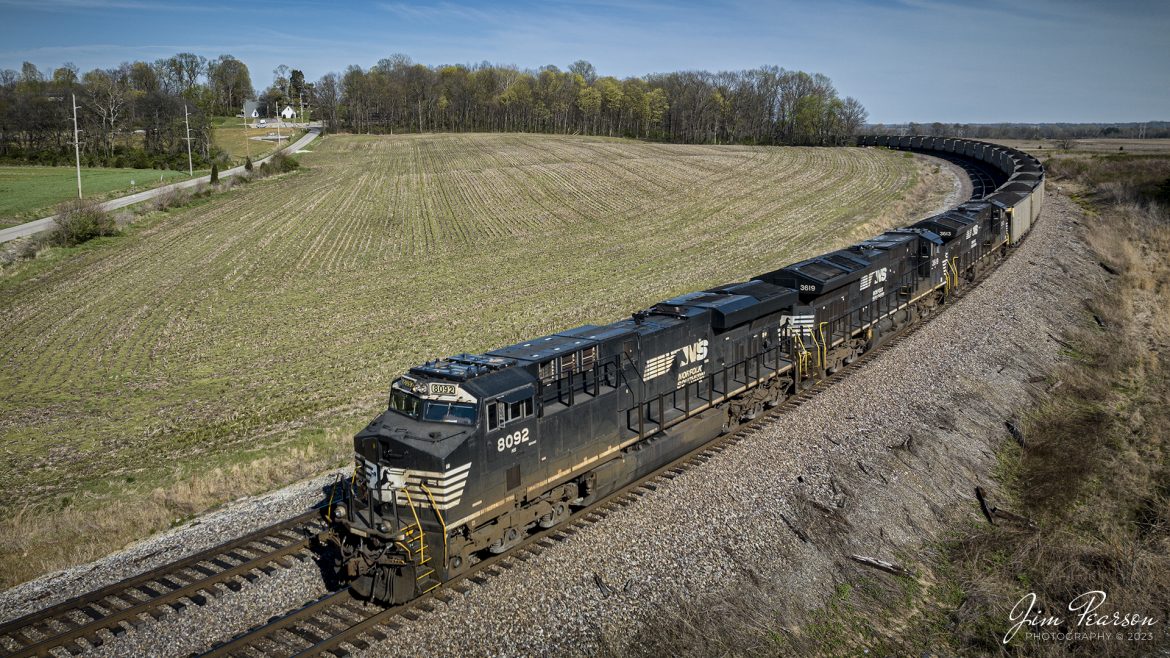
47 223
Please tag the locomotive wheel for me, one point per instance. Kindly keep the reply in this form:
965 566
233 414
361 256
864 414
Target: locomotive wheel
560 511
511 538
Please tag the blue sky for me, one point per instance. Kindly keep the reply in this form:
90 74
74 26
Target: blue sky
906 60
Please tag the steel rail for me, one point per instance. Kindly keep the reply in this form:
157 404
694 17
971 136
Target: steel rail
122 602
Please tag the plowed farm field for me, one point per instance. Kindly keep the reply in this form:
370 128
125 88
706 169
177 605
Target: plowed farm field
149 371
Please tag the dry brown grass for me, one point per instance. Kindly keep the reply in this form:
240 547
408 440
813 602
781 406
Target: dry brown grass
1094 475
39 538
1095 472
246 322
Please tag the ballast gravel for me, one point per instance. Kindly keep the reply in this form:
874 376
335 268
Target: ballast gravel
871 466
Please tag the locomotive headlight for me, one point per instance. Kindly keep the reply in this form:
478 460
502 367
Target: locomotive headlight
339 512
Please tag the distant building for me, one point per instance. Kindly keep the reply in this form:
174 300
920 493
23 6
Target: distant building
251 109
288 112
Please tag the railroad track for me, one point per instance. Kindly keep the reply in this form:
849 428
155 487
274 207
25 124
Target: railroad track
336 621
328 624
83 622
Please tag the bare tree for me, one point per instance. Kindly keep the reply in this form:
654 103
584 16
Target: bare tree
108 92
280 80
230 83
584 69
853 116
327 97
187 68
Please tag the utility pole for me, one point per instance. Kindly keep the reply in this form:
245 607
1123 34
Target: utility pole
247 140
77 145
190 165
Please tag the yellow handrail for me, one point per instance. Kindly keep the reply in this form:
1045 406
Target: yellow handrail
817 344
421 535
439 515
802 360
824 345
329 506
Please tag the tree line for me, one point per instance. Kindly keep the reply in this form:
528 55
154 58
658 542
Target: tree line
137 114
768 105
133 115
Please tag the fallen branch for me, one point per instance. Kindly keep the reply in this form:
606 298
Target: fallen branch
797 531
1067 345
606 590
888 567
992 512
1013 518
984 506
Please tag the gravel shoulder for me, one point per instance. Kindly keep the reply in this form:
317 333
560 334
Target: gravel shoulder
873 465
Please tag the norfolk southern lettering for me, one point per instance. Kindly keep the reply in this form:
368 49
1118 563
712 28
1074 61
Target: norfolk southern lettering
475 451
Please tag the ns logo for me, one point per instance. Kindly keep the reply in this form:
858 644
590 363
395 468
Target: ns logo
695 352
661 364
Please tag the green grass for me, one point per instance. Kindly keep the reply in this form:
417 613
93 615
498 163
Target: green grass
28 193
262 320
229 134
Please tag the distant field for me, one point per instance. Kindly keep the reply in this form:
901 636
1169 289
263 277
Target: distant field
274 317
229 134
28 193
1101 146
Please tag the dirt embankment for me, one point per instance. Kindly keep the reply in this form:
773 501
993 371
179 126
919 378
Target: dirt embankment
875 466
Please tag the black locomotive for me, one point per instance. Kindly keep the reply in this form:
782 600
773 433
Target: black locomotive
476 450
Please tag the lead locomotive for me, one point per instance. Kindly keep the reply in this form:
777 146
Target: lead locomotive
476 450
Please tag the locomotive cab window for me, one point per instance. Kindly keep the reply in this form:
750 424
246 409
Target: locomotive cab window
502 412
521 409
405 403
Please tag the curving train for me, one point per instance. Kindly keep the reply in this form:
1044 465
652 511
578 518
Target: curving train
475 451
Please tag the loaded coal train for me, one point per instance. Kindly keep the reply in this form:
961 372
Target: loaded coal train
475 451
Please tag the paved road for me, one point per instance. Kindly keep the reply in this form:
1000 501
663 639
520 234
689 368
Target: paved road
45 224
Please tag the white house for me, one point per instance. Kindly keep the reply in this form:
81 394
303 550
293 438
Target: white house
288 112
251 109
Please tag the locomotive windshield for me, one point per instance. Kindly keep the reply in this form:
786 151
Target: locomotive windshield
431 411
449 412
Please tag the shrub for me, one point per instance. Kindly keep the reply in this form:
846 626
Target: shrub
281 163
170 199
81 220
248 164
30 247
214 173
